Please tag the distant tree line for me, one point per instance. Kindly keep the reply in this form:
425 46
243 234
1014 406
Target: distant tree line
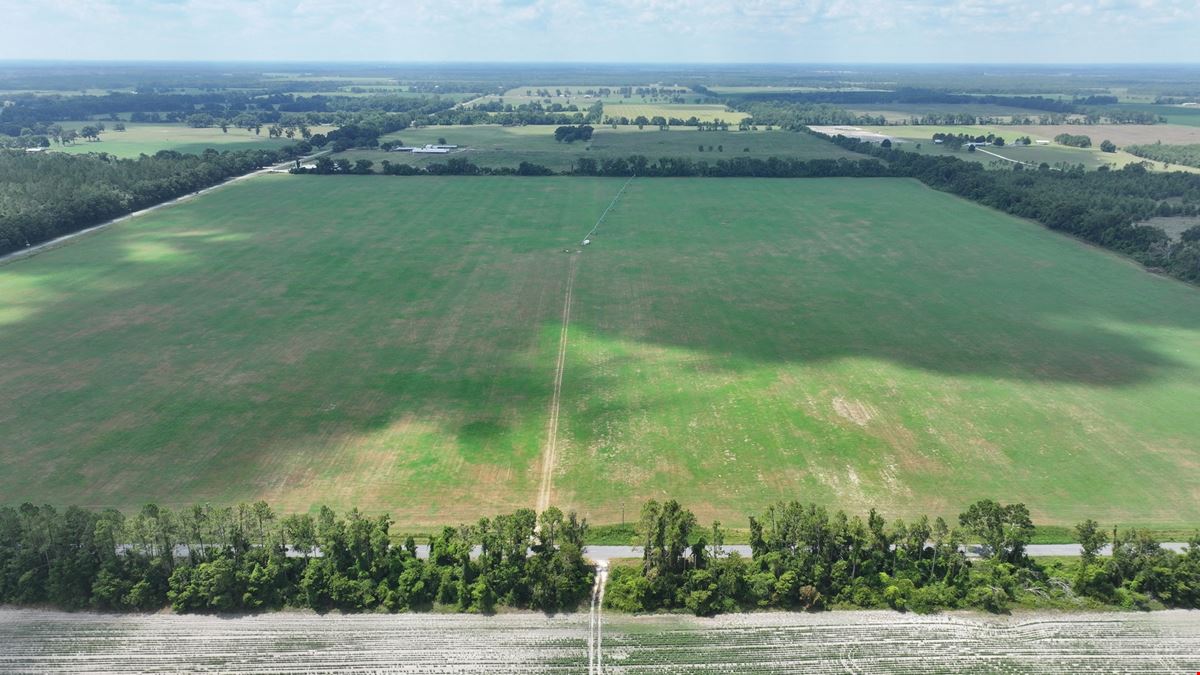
914 95
206 559
634 165
803 557
524 114
46 195
792 113
26 113
794 116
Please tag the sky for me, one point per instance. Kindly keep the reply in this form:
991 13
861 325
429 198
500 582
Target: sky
674 31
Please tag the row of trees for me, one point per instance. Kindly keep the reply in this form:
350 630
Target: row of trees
36 112
206 559
803 557
1187 155
46 195
916 95
958 140
525 114
634 165
247 558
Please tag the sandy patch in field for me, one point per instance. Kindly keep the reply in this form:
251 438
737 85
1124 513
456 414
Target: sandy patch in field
855 411
850 132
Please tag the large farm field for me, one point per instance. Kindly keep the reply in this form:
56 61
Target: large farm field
495 146
391 343
683 111
148 139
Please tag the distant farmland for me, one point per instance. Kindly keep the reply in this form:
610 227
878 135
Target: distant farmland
702 112
494 145
390 343
148 139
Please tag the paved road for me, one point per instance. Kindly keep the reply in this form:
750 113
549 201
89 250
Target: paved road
973 551
599 553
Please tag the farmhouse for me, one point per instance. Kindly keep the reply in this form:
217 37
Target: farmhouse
434 149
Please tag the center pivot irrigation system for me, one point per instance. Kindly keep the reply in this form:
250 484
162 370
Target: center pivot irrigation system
587 238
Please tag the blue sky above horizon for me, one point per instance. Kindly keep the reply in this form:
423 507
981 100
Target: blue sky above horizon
677 31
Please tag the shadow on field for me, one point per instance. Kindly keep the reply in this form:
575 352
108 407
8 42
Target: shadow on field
775 279
382 343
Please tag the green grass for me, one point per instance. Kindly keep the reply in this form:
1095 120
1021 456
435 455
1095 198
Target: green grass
492 145
148 139
390 343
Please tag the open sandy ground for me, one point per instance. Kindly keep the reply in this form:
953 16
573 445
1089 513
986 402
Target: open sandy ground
57 642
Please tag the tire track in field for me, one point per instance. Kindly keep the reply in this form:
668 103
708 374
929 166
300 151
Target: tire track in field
596 620
550 452
548 455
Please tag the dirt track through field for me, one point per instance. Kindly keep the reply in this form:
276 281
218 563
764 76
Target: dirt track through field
595 624
549 453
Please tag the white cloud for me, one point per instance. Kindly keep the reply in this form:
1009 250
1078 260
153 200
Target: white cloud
616 30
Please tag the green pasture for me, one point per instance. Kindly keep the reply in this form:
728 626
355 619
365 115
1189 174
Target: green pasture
148 139
390 343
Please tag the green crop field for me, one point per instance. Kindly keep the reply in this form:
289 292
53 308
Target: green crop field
391 343
148 139
493 145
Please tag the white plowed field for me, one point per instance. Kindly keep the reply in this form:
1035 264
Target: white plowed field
836 642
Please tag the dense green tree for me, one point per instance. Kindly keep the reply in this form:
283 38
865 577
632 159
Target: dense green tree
1004 530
